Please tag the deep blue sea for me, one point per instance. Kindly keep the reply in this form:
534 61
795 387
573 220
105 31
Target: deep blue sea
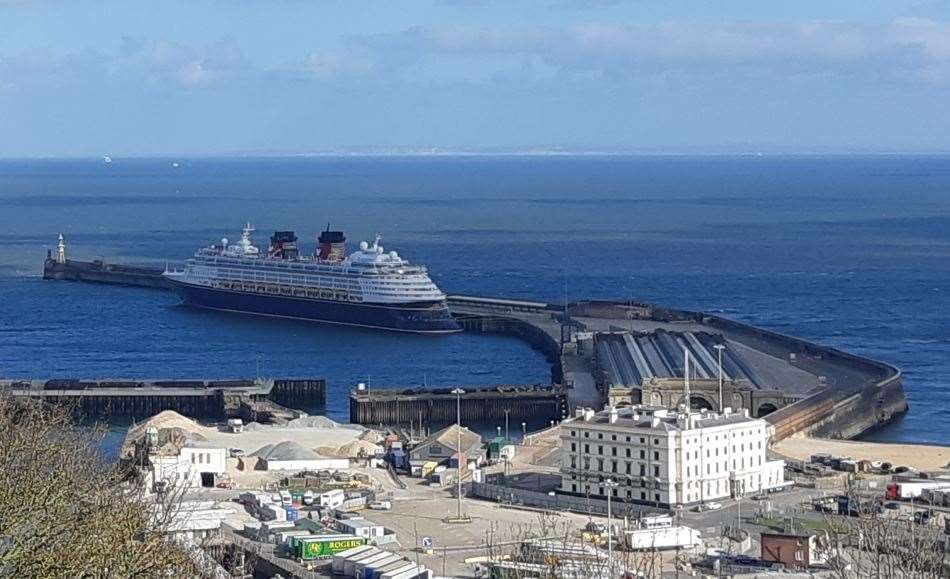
849 251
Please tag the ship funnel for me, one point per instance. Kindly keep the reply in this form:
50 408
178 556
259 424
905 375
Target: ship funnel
283 245
332 245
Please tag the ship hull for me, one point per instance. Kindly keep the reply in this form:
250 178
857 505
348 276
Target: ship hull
418 317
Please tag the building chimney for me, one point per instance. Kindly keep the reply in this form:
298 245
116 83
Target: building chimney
613 414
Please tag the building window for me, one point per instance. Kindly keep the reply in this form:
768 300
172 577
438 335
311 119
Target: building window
573 447
600 435
574 488
643 495
573 433
613 451
656 455
643 470
600 449
587 448
656 496
629 468
628 453
586 435
643 454
613 466
656 471
613 437
642 440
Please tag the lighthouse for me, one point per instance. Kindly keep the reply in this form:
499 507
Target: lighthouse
61 250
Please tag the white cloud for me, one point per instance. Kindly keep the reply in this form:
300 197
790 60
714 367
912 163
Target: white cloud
904 47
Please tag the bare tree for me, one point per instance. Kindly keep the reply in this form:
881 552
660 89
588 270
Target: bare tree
65 511
872 543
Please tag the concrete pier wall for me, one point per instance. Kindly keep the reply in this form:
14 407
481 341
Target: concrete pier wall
143 398
395 408
521 329
856 394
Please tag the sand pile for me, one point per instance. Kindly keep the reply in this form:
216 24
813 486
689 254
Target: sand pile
286 450
359 448
319 422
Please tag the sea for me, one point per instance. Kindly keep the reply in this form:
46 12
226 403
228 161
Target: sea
849 251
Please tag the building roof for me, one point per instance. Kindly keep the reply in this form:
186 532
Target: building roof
449 437
662 419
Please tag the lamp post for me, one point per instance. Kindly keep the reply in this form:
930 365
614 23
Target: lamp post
719 349
458 431
610 484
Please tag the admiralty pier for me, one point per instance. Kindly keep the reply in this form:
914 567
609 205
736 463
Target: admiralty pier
600 352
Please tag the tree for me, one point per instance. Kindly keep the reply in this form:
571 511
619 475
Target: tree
872 543
65 511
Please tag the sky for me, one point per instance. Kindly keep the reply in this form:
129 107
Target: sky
249 77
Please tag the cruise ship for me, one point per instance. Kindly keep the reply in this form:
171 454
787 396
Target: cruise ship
370 288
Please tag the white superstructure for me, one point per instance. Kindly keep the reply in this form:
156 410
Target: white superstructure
667 457
370 275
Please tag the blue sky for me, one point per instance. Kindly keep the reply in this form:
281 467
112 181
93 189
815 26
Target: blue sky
82 78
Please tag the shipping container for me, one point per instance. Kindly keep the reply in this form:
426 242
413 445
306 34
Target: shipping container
419 572
383 558
340 558
284 537
325 547
399 566
349 566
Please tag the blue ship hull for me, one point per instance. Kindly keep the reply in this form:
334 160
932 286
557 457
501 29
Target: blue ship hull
420 317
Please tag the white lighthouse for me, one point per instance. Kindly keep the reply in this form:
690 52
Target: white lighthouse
61 250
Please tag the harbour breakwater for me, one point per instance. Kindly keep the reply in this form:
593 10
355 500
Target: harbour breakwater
851 394
263 400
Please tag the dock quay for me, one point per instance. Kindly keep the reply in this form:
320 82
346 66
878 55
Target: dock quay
259 399
627 352
393 407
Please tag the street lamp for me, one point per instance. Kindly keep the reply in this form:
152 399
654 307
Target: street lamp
458 431
610 484
719 349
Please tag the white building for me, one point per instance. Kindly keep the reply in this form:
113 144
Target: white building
191 465
664 457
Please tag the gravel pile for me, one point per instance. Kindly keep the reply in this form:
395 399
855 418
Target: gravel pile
286 450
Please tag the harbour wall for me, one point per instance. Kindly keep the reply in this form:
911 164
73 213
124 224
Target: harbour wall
858 394
249 399
405 407
100 272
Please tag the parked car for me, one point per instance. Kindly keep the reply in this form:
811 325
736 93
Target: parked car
712 506
236 452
